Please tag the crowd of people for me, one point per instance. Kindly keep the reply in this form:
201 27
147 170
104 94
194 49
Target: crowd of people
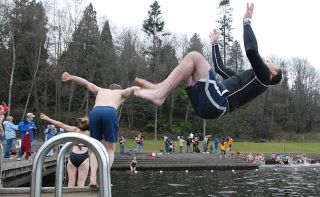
18 137
279 159
197 143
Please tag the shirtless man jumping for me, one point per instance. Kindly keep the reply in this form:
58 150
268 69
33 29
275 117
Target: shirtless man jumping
103 118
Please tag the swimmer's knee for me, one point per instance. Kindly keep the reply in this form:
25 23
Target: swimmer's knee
194 54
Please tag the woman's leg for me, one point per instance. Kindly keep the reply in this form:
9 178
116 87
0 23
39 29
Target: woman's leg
93 170
83 173
72 174
8 148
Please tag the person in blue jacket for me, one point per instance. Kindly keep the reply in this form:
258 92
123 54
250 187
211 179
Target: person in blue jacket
10 134
27 126
216 145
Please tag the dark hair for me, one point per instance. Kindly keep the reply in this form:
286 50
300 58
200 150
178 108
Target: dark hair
83 123
276 78
115 87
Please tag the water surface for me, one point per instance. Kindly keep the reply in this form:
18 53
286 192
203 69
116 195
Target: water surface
267 181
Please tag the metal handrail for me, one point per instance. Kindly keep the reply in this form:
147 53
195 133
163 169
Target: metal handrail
96 147
59 167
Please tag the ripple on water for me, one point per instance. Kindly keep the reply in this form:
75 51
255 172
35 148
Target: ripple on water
181 193
176 185
269 180
227 192
273 188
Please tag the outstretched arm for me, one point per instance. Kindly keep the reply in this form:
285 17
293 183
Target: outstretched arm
81 81
251 47
59 124
129 91
216 57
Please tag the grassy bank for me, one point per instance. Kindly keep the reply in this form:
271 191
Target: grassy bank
243 147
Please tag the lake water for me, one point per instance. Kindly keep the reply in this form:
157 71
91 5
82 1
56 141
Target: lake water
267 181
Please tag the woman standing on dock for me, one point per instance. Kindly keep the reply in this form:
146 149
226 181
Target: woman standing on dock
10 134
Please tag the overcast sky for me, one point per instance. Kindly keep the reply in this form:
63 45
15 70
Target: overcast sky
286 28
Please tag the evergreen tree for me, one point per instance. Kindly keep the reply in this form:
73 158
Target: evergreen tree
107 72
154 24
225 28
154 28
195 44
82 58
236 61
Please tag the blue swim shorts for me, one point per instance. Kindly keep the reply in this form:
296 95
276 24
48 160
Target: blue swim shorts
103 120
209 98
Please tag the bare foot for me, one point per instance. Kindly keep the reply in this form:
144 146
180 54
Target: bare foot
142 83
150 95
94 185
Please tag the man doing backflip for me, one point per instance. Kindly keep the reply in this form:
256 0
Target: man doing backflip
211 99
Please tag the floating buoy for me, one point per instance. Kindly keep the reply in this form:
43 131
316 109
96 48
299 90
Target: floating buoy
276 169
136 172
257 169
211 171
232 170
160 171
187 171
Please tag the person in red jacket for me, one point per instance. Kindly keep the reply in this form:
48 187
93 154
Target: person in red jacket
26 145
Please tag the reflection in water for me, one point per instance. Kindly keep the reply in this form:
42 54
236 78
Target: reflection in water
285 181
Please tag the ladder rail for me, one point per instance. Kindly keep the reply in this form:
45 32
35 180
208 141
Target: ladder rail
60 168
97 148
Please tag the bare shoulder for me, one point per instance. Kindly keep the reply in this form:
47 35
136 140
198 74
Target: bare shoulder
108 91
86 132
104 91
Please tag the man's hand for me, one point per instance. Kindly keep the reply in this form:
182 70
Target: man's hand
43 117
249 11
214 36
135 88
127 92
65 76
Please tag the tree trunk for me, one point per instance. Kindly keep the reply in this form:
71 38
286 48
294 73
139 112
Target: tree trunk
36 100
204 122
187 112
87 103
156 124
58 80
272 113
33 80
119 113
70 99
12 70
171 111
